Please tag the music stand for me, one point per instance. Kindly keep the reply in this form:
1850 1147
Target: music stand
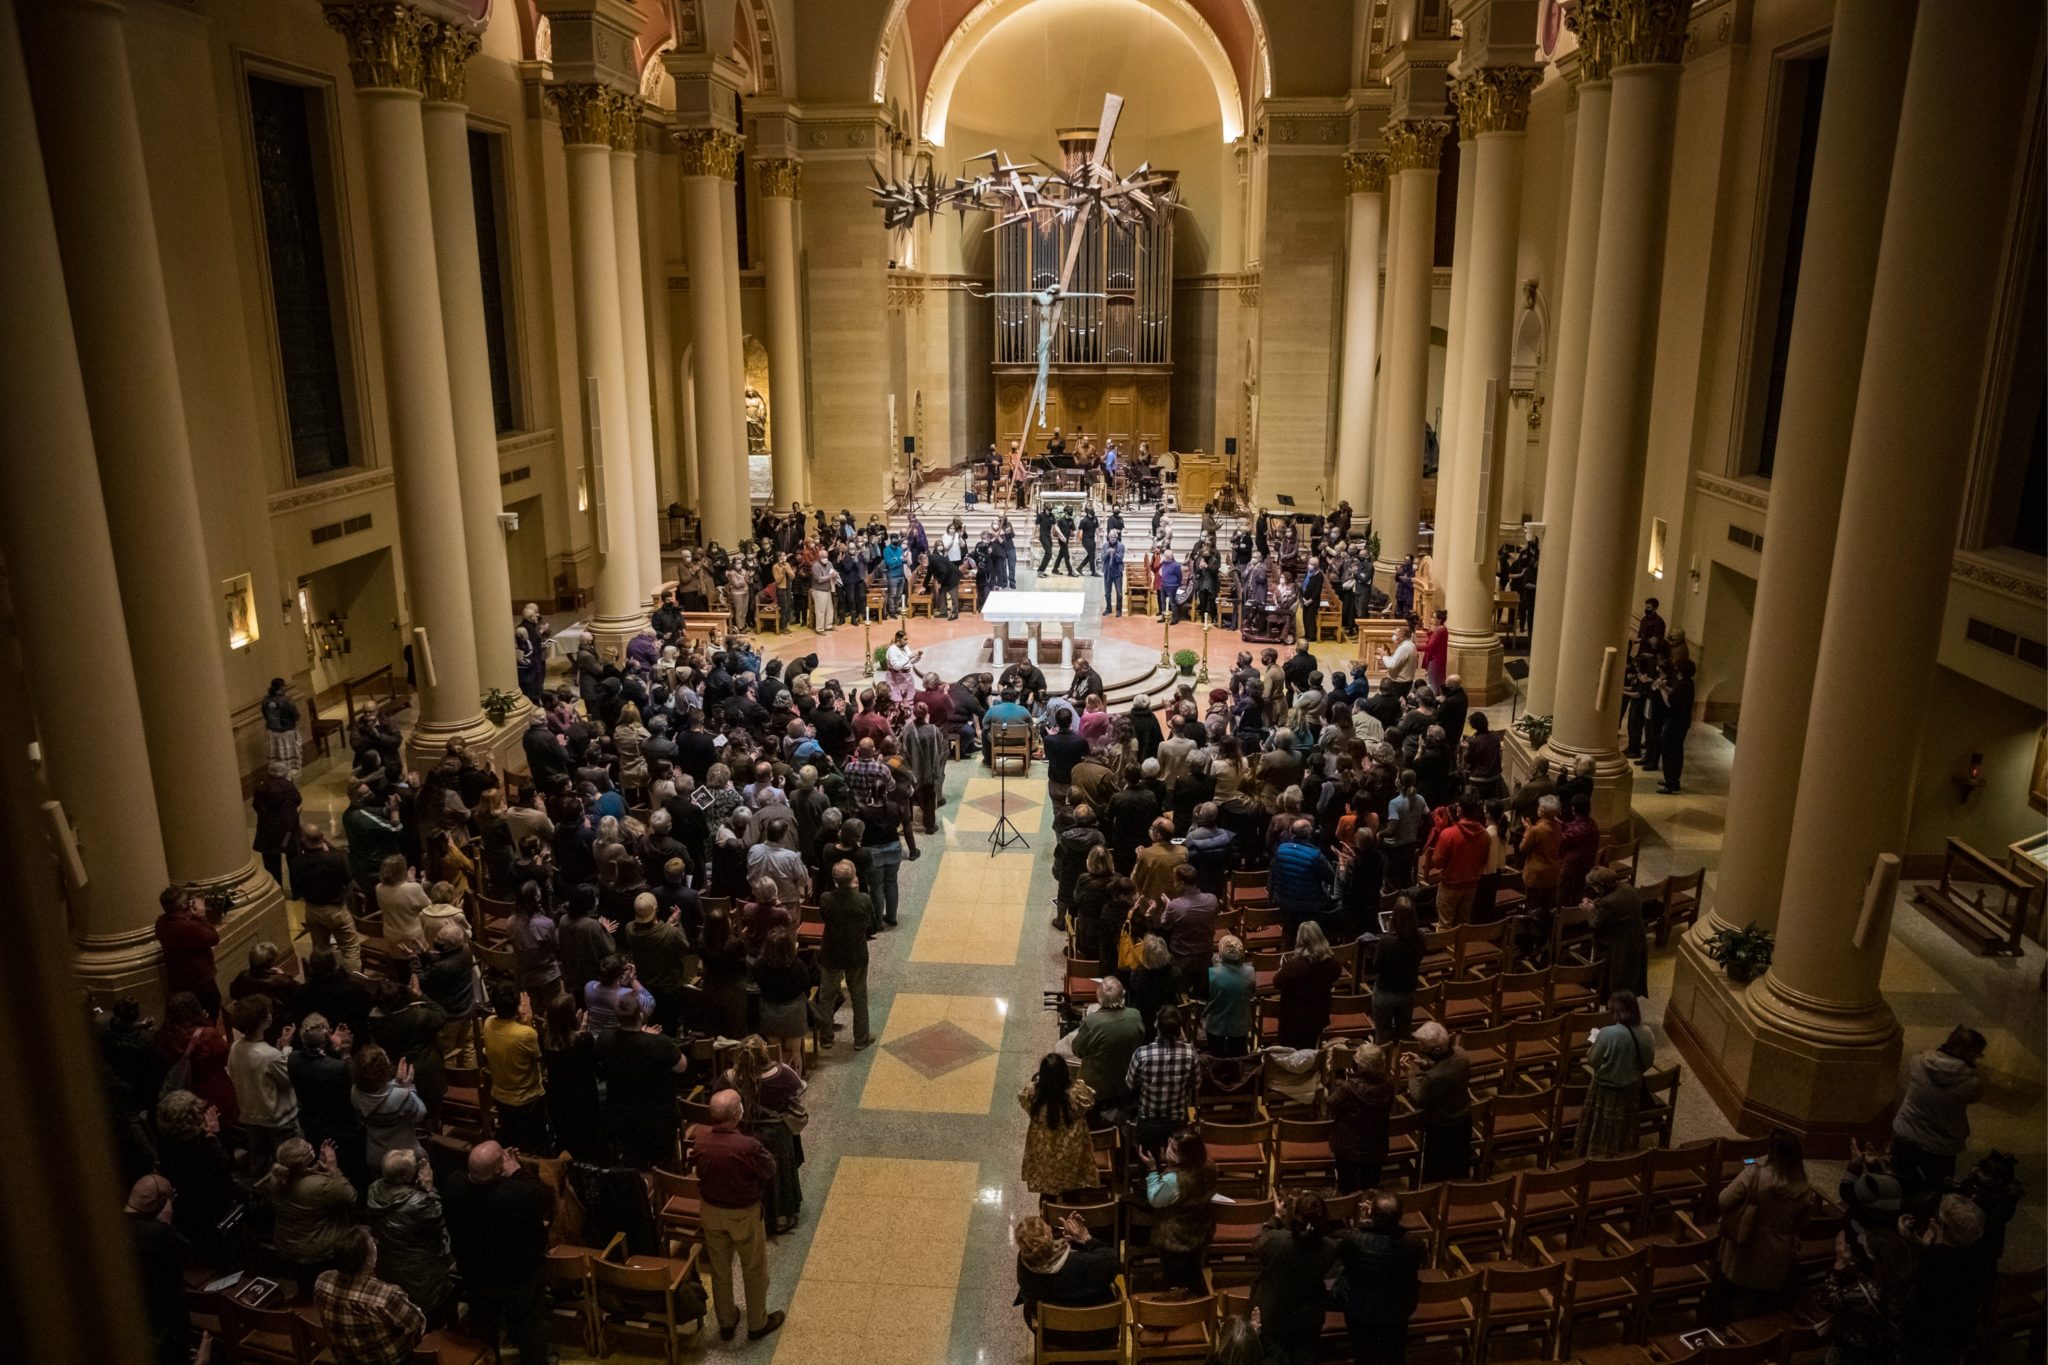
1006 834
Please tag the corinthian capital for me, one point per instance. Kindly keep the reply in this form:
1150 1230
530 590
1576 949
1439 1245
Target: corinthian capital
781 178
625 121
1649 32
709 151
1495 100
1593 22
445 50
586 113
1415 144
383 42
1365 172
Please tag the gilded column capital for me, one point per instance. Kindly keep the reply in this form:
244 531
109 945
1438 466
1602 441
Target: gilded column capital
1649 32
383 43
1366 172
781 177
585 113
1494 100
709 151
1593 22
625 129
1415 144
445 50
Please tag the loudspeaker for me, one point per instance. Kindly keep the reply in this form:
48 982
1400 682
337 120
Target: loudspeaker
1230 445
910 445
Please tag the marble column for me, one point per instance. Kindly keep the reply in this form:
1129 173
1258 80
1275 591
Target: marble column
1649 42
1493 104
1381 405
386 62
1826 1046
781 187
1413 147
61 577
1852 168
170 598
1454 356
444 115
1366 174
645 513
588 112
709 158
736 407
1592 91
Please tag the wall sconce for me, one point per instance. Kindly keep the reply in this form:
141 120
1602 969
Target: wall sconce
331 635
1970 779
1693 573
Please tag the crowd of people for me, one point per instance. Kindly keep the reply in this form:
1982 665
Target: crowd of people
1378 811
582 932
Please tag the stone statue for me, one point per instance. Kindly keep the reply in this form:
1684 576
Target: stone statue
757 421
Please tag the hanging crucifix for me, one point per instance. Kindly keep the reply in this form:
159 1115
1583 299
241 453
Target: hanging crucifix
1089 192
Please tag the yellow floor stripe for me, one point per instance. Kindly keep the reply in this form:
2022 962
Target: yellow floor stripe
974 913
884 1264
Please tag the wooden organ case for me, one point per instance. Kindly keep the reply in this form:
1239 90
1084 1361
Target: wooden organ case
1112 357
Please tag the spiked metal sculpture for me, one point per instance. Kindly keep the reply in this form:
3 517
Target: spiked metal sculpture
1016 191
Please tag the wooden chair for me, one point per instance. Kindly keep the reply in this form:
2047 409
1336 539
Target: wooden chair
1550 1201
1137 588
1534 1048
1237 1228
1239 1151
919 600
1617 1191
767 612
642 1301
466 1103
678 1210
1654 1121
1329 623
446 1348
1248 888
1481 947
1519 1304
1516 1125
1476 1216
1302 1150
877 605
1010 742
1624 856
1575 987
1104 1217
1082 979
1446 1314
1684 1271
1468 1003
1350 1016
1078 1336
571 1295
1404 1147
268 1336
1681 1180
1679 904
1172 1329
1603 1288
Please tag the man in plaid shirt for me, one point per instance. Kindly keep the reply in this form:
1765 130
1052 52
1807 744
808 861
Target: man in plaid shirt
370 1322
869 777
1162 1078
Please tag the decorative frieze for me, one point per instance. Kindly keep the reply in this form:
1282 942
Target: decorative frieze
307 495
1366 172
1415 144
1730 490
1494 100
781 177
383 43
1649 32
445 50
709 151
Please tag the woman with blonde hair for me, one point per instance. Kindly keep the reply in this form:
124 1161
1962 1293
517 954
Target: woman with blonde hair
1304 984
313 1202
1070 1271
627 737
400 899
1361 1108
1233 985
1152 983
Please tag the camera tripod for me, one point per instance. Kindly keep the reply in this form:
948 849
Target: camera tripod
1005 835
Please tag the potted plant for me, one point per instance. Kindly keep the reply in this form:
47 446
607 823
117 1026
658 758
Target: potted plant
1743 953
1535 729
499 705
1185 660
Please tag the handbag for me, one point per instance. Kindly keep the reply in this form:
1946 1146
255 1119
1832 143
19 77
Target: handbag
1129 954
796 1118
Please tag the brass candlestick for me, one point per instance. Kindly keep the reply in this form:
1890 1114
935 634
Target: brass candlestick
1166 639
867 647
1203 676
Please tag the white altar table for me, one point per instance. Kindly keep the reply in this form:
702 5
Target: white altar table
1010 607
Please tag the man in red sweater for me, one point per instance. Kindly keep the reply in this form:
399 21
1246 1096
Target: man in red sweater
1459 855
188 940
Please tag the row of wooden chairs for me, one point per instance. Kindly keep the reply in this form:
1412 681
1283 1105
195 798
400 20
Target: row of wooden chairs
599 1299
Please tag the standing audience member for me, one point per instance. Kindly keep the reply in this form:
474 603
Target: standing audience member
1295 1253
1179 1185
412 1233
1382 1265
369 1321
1762 1211
734 1171
1440 1087
1058 1155
1361 1111
1619 1058
1932 1125
498 1214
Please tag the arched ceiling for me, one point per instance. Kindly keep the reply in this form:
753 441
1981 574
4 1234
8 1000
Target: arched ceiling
1155 53
919 31
748 34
